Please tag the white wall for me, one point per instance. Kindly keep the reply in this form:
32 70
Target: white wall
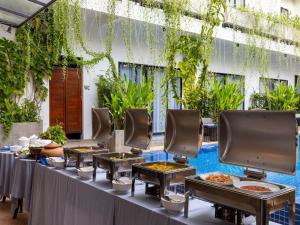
297 7
95 29
222 62
95 40
267 6
290 5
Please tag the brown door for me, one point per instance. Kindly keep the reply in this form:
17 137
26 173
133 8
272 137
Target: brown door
66 100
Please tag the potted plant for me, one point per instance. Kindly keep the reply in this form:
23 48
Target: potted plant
55 134
225 96
119 95
17 120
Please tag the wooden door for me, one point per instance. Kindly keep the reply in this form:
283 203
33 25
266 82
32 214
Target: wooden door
66 99
73 106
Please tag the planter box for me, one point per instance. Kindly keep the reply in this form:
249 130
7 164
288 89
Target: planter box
18 130
117 142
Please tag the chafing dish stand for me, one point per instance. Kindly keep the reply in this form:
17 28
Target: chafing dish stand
262 140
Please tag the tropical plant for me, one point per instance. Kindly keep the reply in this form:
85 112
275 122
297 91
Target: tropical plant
105 86
54 133
196 96
284 97
225 96
124 94
259 101
18 113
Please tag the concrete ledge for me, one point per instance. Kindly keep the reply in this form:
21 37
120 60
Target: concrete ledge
18 130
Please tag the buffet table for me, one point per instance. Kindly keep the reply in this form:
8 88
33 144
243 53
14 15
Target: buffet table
7 160
61 197
21 183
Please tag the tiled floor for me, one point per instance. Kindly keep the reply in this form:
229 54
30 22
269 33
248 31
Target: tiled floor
5 216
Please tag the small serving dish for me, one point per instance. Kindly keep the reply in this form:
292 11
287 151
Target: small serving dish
23 154
256 186
57 162
85 172
15 148
122 185
23 141
173 203
220 178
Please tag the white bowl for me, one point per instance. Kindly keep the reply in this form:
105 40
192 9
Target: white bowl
174 204
57 162
22 156
15 148
49 161
23 141
42 142
122 185
85 172
272 187
33 139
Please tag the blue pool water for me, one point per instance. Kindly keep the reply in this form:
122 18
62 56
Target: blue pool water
208 161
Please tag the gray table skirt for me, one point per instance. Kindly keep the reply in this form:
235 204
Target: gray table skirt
59 197
21 182
7 160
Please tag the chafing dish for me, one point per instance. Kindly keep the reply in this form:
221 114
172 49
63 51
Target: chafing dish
137 134
35 152
262 140
102 126
82 155
184 138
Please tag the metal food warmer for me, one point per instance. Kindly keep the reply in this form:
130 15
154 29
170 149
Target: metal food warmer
102 126
263 141
183 136
102 133
82 155
137 134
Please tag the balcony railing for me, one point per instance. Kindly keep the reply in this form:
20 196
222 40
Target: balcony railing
246 22
239 20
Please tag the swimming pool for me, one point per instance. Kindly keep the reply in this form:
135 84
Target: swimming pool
208 161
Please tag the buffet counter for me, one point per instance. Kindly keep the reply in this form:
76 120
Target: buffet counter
60 197
7 161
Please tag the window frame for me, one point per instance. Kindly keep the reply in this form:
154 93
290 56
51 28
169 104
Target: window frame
145 68
272 81
241 77
284 11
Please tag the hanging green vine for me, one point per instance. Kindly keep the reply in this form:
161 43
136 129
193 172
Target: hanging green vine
194 50
57 32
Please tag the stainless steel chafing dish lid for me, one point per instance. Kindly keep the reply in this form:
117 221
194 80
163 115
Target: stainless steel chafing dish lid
102 124
137 128
184 132
264 140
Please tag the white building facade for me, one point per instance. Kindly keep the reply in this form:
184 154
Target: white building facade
227 56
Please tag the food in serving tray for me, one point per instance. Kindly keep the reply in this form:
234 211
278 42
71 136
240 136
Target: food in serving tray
83 149
117 157
219 178
162 167
24 152
255 188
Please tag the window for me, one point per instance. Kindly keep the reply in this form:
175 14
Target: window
237 3
284 11
271 84
232 78
297 83
135 72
